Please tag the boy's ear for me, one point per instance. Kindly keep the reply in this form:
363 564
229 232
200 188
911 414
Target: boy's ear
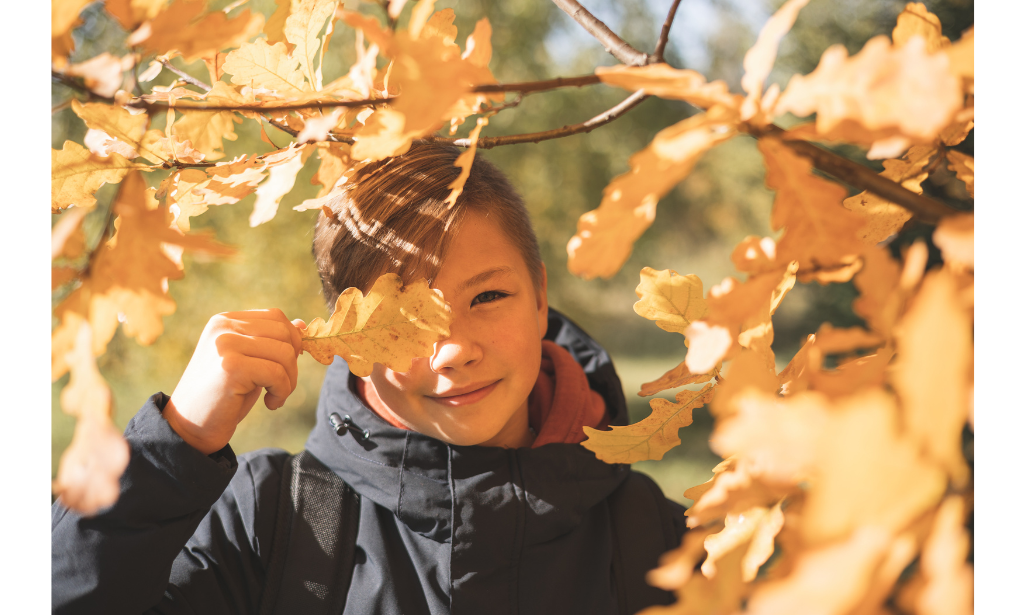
542 303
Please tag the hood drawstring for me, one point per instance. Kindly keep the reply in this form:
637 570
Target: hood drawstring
343 425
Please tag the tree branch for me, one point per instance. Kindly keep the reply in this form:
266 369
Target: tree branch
924 208
185 76
663 38
620 49
528 87
536 137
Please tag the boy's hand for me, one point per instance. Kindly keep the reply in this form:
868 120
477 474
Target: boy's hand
238 355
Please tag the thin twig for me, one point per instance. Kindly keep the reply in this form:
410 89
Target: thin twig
663 38
536 137
528 87
185 76
620 49
926 209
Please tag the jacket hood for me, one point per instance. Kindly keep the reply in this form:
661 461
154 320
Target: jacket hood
432 486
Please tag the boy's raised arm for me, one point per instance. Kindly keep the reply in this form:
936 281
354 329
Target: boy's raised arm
238 355
133 557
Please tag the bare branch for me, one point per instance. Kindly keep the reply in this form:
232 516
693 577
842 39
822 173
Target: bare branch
536 137
185 76
181 105
926 209
663 38
528 87
620 49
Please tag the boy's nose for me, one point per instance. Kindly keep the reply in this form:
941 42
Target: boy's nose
458 350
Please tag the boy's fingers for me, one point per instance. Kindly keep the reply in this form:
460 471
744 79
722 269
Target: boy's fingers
262 348
269 314
280 331
297 336
271 376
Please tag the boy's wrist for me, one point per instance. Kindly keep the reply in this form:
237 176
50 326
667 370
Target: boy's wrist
181 426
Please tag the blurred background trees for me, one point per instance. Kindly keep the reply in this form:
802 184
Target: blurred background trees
699 221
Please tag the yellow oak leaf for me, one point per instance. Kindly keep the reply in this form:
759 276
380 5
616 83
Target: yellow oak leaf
170 148
916 20
948 579
302 26
774 435
833 340
818 231
677 377
91 467
465 162
734 488
231 181
672 300
76 174
335 160
260 65
180 28
955 237
127 279
206 130
392 325
707 345
741 313
760 58
884 89
876 284
720 595
63 14
103 74
275 27
66 237
757 527
755 255
866 471
833 578
605 236
317 128
427 71
665 81
283 170
651 437
931 372
962 56
884 218
119 124
676 567
964 166
131 13
182 191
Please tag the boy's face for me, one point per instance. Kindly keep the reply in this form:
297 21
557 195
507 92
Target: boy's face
474 389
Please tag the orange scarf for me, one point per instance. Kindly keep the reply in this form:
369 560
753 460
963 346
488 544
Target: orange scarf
559 406
562 402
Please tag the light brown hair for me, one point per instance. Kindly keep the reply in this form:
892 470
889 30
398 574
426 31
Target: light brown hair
392 216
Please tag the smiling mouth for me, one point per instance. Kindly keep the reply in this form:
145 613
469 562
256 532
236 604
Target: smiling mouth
470 397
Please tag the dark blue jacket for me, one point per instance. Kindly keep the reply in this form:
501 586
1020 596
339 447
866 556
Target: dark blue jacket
442 529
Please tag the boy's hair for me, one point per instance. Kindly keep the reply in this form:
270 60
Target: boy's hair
392 216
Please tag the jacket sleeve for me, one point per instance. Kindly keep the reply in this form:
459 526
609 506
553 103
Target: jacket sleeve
186 535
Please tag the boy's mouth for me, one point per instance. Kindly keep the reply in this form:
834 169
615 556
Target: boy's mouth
466 395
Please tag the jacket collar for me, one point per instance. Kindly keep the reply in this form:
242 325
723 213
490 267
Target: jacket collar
418 477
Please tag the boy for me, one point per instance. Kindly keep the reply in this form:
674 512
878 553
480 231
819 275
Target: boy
474 495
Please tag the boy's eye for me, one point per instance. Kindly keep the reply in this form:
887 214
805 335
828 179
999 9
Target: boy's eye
488 296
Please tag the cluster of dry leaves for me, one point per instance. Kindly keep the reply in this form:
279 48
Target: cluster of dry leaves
846 467
843 472
121 277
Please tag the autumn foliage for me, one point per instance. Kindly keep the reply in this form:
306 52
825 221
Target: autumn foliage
843 487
